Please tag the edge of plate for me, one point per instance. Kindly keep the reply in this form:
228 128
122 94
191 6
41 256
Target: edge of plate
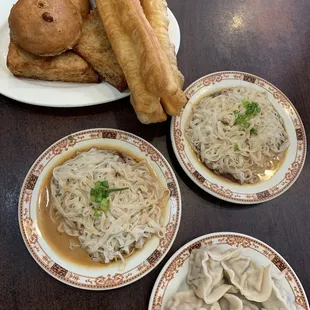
106 288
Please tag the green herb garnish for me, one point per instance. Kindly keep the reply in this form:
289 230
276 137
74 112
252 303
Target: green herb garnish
236 147
98 213
254 131
99 195
251 109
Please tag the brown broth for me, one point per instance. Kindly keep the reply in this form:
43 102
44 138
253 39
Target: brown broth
60 242
263 176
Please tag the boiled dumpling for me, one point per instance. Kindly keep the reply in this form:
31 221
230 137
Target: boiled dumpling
205 276
189 301
231 302
253 280
229 281
279 299
247 305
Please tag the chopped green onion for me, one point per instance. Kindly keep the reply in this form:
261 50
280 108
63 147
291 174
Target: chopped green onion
236 147
116 189
252 109
98 213
253 131
99 194
104 204
105 184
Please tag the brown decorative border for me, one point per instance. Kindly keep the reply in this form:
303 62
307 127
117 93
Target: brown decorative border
233 240
30 233
220 191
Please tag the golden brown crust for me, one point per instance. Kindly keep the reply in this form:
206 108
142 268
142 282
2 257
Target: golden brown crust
128 58
96 49
155 67
83 6
156 13
45 27
67 67
157 116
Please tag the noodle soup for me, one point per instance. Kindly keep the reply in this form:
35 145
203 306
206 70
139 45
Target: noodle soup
100 205
238 135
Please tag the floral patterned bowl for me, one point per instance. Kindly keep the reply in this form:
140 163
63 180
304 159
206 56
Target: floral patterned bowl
102 277
217 186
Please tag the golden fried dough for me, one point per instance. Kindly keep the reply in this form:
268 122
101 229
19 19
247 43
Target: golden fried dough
156 13
155 67
149 118
45 27
83 6
67 67
144 102
96 49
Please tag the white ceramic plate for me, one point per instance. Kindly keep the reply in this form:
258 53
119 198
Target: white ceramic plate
218 187
174 272
58 94
100 277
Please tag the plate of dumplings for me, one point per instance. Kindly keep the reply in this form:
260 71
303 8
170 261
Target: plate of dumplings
227 271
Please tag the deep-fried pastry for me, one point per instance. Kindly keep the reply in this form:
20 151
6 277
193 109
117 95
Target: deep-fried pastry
96 49
67 67
143 101
156 13
83 6
45 27
149 118
155 67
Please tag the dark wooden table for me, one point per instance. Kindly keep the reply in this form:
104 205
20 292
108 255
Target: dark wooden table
268 38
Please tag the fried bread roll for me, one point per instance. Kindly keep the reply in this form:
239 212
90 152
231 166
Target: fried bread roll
149 118
156 13
145 104
155 67
83 6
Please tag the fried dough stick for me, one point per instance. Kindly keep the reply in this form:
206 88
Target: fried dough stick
155 67
146 105
156 13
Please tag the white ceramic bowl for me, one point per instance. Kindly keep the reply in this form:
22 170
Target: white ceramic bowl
101 277
217 186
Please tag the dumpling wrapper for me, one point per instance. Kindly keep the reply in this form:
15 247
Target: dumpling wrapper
253 281
188 301
205 276
279 299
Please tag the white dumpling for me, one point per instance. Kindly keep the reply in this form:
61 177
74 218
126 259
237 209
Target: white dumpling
189 301
279 299
247 305
205 276
233 290
219 255
231 302
184 301
253 281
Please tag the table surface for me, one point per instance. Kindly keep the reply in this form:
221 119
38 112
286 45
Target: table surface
268 38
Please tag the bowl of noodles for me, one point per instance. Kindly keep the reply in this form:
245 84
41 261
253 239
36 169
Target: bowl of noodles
239 138
99 209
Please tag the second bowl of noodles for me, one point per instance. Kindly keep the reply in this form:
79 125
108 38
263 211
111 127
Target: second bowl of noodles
239 138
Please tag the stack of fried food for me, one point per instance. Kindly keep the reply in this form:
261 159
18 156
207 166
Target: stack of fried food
124 42
61 40
138 33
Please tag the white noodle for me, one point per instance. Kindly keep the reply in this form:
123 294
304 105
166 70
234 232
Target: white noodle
229 149
134 215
